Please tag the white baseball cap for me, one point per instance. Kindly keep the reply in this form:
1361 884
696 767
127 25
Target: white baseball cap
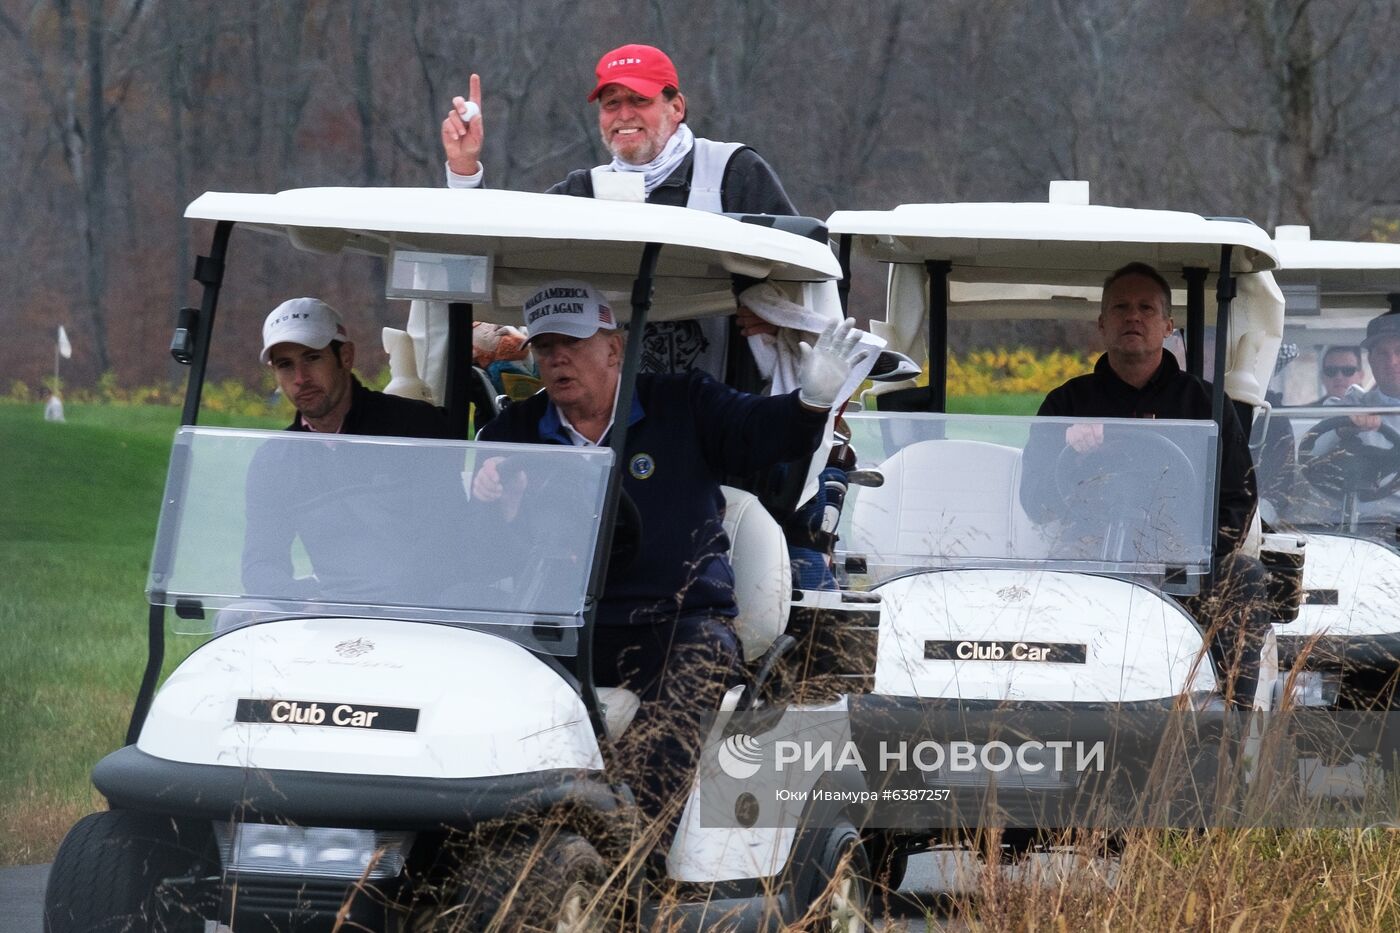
569 307
307 321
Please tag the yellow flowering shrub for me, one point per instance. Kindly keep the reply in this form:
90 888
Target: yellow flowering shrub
1019 370
1014 371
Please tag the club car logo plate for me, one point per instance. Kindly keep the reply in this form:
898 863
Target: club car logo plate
1046 652
316 713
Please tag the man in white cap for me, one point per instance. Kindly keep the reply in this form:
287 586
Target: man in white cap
663 626
291 487
311 355
641 119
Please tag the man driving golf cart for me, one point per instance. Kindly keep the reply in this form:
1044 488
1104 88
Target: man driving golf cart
1348 463
1382 346
664 628
290 493
1137 378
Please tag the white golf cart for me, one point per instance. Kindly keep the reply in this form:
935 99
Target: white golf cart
1337 486
1016 574
404 733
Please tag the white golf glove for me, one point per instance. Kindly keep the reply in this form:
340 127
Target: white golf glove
826 366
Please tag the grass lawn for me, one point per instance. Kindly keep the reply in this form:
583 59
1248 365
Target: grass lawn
995 404
76 525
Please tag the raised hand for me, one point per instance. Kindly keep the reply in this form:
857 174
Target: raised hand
462 131
826 366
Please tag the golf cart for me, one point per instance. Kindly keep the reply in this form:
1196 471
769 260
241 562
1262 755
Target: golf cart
403 732
1016 574
1335 485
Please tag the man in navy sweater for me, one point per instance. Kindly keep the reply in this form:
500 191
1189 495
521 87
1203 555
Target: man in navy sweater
663 626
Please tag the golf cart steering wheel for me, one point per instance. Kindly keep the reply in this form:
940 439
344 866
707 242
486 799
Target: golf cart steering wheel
555 495
553 503
1117 482
1353 466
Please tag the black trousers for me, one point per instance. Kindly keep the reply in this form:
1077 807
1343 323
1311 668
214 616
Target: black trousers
681 670
1236 615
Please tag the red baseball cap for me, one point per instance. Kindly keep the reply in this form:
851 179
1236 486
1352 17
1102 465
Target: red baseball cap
642 68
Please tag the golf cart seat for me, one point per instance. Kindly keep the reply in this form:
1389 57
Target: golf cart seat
943 498
762 588
762 571
620 705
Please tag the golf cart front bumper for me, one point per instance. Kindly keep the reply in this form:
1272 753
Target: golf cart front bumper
132 779
1349 653
1086 764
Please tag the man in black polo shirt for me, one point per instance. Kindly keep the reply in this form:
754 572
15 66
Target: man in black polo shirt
1137 378
297 490
663 627
311 355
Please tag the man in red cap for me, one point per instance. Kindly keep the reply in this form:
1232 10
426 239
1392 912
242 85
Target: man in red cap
641 119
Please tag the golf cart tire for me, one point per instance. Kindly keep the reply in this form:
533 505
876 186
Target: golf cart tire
109 874
838 895
889 860
533 886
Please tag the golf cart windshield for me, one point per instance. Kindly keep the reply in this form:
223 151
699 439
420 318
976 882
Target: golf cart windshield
259 524
968 491
1319 470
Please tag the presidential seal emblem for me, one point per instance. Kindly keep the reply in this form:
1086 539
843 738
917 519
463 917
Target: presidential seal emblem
642 466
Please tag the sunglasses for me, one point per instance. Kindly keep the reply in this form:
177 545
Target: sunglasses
1332 372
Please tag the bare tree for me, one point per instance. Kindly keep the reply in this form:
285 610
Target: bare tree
1315 77
124 110
361 47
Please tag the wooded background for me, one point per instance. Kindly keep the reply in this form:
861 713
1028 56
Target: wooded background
120 112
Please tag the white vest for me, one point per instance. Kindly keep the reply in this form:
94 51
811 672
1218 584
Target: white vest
701 344
706 187
707 177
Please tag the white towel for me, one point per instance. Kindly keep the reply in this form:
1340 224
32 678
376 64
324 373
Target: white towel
779 357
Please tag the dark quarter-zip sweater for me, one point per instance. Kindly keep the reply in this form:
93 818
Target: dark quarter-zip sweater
1170 393
687 431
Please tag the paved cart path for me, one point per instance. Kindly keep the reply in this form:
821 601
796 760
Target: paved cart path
22 898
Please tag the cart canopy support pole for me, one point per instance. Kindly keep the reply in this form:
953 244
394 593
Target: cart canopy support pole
938 270
1224 294
1195 320
627 386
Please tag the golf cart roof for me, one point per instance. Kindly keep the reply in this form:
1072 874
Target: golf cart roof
1048 260
1072 244
1333 289
1298 252
1336 275
532 237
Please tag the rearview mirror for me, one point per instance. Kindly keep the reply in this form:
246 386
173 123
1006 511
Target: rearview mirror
416 273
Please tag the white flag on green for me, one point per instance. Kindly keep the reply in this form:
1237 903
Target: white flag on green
65 349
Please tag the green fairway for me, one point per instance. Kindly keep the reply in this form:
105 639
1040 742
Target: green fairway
995 404
76 526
